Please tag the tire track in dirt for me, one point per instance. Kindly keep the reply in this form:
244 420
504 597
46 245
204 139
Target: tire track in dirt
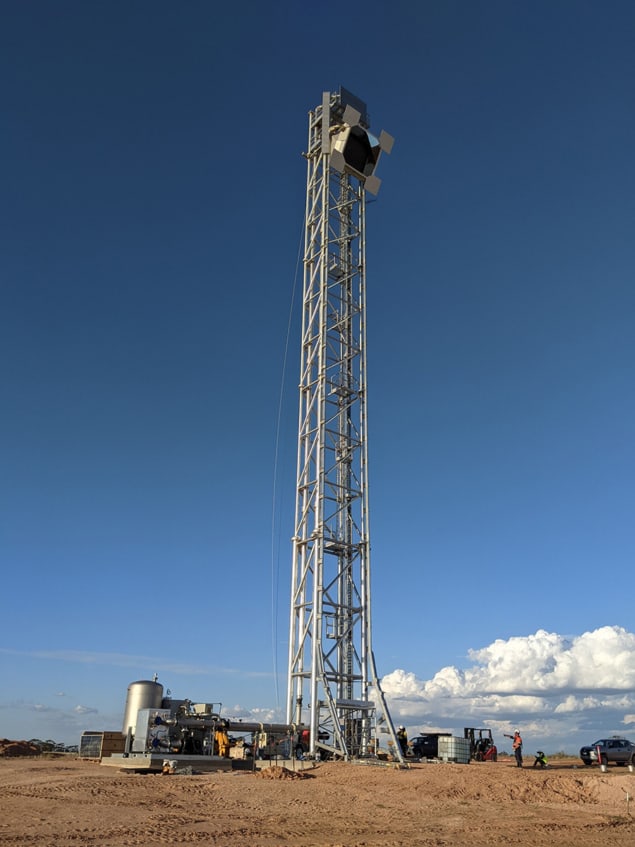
84 805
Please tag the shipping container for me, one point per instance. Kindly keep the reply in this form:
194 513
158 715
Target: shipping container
96 745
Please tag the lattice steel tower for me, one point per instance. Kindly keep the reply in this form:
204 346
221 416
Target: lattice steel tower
332 676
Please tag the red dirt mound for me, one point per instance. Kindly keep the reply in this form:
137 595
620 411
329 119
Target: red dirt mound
18 748
277 772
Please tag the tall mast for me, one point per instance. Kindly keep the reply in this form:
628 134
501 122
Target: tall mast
332 676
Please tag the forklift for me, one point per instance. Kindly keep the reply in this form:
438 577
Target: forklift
482 747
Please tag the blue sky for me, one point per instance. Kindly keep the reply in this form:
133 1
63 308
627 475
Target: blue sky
151 217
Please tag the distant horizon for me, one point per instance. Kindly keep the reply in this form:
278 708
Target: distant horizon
549 713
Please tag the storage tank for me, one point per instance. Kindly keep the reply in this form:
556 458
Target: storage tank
454 749
144 694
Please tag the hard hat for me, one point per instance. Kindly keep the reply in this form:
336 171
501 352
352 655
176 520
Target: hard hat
402 727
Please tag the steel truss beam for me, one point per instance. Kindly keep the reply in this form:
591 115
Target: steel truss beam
332 677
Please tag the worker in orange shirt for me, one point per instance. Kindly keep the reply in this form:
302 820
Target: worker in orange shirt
517 747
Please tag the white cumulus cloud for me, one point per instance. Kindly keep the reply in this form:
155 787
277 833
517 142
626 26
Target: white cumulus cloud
562 688
85 710
259 715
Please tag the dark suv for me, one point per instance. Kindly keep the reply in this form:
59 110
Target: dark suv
614 749
426 746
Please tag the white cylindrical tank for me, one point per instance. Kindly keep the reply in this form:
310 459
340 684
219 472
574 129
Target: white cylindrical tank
144 694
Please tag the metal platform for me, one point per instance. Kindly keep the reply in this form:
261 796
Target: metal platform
148 762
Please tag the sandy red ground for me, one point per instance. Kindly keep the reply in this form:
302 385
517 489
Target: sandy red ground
65 801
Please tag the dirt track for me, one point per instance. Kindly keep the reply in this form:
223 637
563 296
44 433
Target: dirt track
63 802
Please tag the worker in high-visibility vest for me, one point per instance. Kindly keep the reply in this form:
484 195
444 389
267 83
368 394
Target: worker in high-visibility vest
222 742
402 738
